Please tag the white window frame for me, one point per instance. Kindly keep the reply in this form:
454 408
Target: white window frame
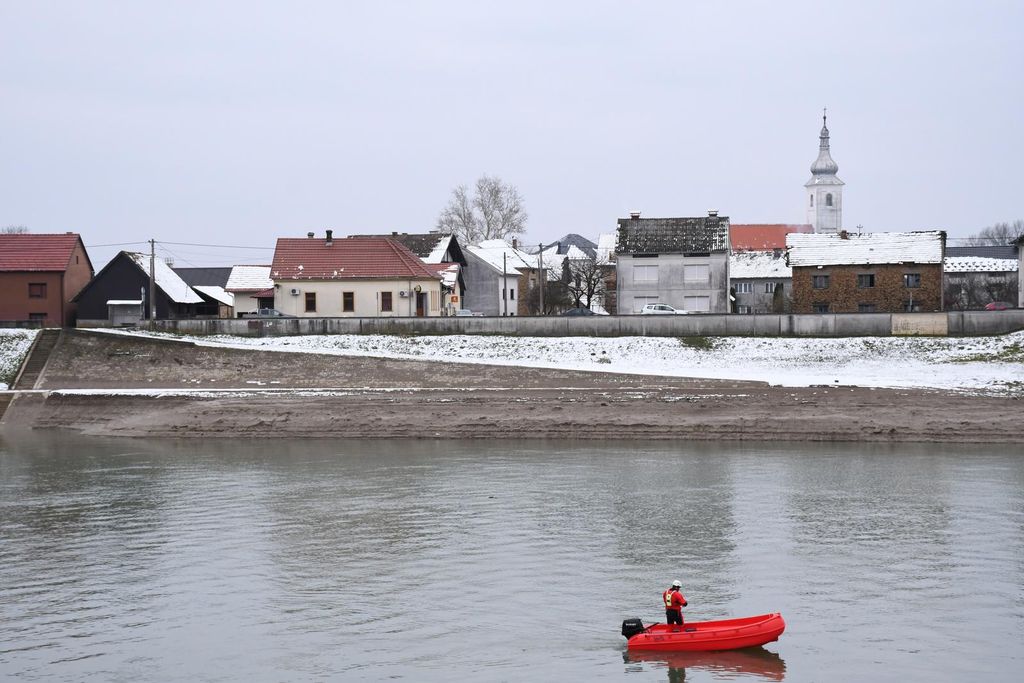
646 274
744 287
689 269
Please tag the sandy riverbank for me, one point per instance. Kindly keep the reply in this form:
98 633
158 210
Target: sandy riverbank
100 385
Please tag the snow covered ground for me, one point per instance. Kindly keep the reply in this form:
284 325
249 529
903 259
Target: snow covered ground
14 344
965 364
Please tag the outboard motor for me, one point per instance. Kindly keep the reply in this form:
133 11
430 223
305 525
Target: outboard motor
631 627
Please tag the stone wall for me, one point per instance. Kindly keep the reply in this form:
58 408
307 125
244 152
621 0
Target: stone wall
888 295
712 325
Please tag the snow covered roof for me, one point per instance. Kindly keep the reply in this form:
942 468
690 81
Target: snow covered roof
166 279
216 293
491 251
605 247
245 278
978 264
125 302
449 273
758 264
842 249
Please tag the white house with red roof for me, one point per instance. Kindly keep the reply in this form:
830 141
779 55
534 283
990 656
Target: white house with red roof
353 277
251 287
40 275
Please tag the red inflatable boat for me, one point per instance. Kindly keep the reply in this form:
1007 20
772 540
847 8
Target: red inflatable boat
696 636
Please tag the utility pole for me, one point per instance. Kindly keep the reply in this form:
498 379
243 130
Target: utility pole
540 257
504 281
152 281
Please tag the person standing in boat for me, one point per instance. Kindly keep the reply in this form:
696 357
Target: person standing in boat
674 601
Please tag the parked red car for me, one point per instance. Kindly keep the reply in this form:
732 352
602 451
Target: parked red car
997 306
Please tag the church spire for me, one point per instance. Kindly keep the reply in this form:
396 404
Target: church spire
824 165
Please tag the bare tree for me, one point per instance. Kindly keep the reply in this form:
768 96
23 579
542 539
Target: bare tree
494 211
966 291
585 281
998 234
14 230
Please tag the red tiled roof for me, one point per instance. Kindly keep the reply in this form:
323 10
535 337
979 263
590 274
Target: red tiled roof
261 293
347 258
763 236
37 252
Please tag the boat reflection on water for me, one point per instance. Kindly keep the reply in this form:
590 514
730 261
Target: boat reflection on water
752 661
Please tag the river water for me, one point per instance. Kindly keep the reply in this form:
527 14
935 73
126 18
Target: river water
127 560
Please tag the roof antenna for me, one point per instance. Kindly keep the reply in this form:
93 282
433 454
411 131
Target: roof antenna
824 116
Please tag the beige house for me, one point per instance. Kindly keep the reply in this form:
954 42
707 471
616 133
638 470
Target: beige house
353 277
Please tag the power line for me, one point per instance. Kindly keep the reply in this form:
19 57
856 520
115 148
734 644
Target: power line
218 246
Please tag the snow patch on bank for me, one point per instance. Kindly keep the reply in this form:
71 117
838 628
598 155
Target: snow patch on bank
14 344
966 364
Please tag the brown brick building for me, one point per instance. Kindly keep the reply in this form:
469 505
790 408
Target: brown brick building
40 275
891 272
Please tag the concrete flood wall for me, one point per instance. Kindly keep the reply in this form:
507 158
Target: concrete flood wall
959 323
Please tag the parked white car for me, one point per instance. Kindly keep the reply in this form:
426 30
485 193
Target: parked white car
662 309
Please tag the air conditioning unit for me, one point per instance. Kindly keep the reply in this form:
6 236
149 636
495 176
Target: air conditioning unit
403 293
295 291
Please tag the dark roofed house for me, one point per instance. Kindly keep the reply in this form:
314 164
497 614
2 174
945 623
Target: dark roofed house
40 276
682 262
126 279
353 277
210 283
563 244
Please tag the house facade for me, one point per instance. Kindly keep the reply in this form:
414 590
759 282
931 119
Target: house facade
444 255
251 288
126 279
352 277
682 262
499 277
761 282
40 276
889 272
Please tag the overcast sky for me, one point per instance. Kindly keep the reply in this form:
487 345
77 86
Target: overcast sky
234 123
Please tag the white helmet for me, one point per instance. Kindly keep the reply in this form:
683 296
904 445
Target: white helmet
676 584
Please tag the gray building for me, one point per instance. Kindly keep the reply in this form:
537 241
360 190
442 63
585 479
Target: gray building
761 281
682 262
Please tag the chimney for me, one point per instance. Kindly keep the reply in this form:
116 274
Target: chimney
634 215
394 233
843 235
515 243
712 213
309 235
330 237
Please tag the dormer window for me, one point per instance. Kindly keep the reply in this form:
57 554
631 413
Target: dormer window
828 199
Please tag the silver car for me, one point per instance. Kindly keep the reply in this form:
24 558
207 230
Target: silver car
662 309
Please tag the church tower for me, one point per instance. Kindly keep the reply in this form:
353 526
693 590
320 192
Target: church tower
824 190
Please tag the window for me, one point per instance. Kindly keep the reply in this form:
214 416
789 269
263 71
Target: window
310 302
820 308
865 308
37 290
696 273
769 287
697 303
640 301
819 281
865 281
812 200
645 273
435 300
386 302
828 199
348 302
744 287
911 306
37 316
744 309
912 280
